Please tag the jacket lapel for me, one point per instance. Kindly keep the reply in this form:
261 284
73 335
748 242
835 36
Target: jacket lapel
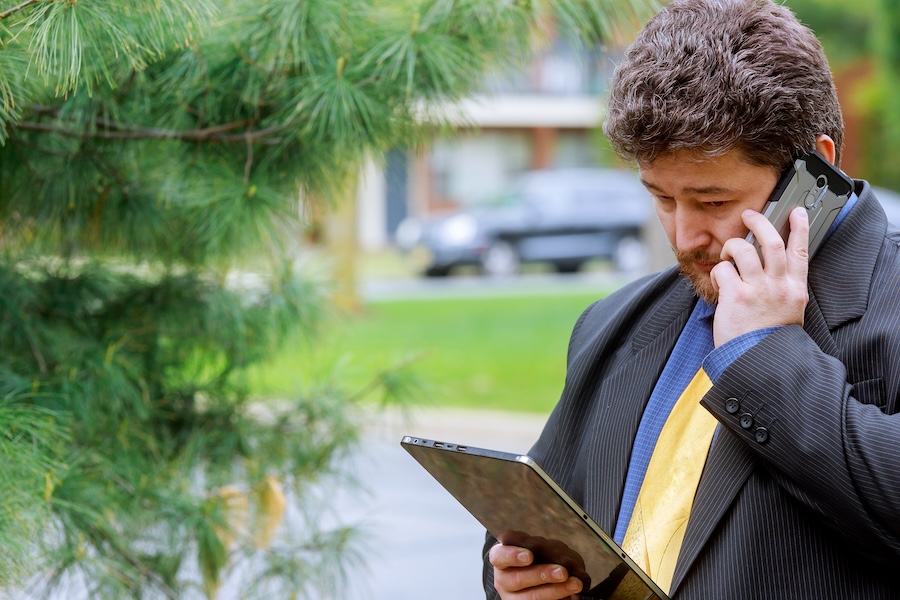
650 348
729 465
615 358
841 273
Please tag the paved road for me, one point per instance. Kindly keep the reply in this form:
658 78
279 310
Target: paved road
424 544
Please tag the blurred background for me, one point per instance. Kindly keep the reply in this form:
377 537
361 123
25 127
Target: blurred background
547 116
521 186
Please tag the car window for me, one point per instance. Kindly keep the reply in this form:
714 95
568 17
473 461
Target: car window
588 201
597 196
570 195
548 204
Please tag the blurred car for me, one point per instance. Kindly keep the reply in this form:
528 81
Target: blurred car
564 217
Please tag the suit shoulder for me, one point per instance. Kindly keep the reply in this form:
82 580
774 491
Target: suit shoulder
623 305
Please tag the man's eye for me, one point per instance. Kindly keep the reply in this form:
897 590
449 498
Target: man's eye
716 204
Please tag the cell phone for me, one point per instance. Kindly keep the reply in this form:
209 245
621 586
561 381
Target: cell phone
813 182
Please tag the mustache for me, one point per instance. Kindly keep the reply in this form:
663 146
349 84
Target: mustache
695 255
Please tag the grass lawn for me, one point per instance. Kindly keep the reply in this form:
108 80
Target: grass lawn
505 353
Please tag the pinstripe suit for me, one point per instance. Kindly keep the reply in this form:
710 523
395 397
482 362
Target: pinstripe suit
806 502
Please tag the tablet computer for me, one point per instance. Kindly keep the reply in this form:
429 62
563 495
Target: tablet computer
521 505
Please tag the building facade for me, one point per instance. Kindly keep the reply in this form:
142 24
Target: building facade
545 114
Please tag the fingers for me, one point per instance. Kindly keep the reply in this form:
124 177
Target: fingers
798 243
516 578
723 275
774 257
771 247
504 557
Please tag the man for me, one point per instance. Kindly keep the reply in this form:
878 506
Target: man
797 493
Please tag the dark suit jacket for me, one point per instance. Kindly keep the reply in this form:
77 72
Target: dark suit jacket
806 502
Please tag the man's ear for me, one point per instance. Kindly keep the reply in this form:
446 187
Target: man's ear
825 147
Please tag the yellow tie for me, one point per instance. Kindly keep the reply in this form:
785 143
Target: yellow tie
656 530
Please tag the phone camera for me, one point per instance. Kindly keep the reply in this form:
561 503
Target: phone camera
821 182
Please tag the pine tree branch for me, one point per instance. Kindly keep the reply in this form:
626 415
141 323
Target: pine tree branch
147 572
112 131
150 132
248 164
16 9
217 129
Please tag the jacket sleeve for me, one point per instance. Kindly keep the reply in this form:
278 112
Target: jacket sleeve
831 444
487 574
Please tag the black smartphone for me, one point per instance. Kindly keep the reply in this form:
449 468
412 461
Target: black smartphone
817 185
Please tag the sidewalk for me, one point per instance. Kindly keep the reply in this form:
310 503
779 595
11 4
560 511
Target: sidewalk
423 544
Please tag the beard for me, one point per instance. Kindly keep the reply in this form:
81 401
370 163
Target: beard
700 279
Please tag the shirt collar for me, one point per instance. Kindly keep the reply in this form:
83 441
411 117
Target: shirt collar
846 209
703 310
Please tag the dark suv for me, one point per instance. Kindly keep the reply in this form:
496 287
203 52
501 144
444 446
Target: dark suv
564 216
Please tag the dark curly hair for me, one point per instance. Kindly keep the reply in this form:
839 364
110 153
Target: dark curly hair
712 75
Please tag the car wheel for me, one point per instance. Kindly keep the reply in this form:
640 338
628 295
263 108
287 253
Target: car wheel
567 266
501 259
630 255
437 271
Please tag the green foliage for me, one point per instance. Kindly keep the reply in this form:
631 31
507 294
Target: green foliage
843 28
91 46
147 148
139 368
884 123
864 36
29 442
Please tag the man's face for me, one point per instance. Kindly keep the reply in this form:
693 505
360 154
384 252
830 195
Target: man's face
699 203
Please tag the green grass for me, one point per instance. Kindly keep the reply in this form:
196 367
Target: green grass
505 353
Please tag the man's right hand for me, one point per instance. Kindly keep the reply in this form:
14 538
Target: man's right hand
516 578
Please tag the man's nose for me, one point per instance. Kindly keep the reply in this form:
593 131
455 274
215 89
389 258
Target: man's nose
691 231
